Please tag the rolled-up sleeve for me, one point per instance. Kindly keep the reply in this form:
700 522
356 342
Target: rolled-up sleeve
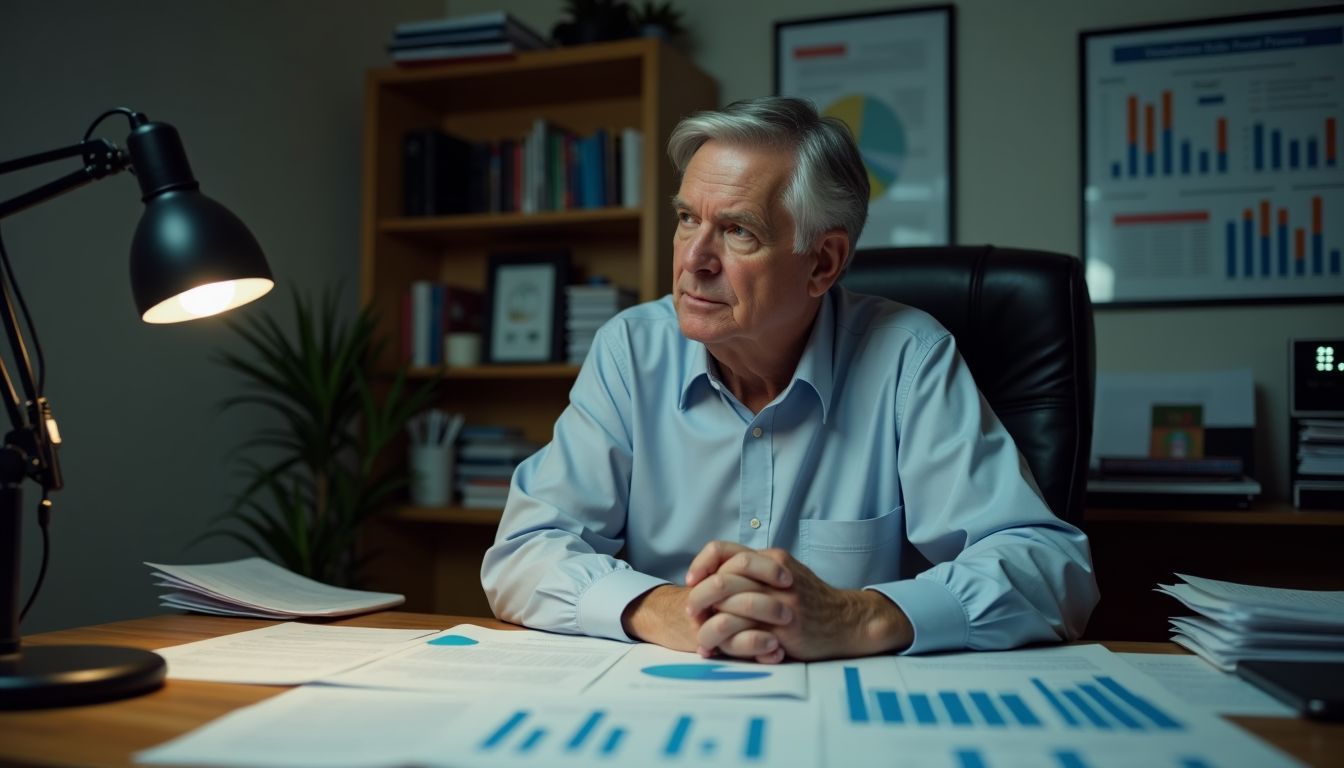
1006 571
553 564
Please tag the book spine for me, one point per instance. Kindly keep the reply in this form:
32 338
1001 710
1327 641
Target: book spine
414 166
632 177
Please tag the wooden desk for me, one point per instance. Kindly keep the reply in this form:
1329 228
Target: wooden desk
108 734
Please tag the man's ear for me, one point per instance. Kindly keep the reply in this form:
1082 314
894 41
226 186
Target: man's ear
828 261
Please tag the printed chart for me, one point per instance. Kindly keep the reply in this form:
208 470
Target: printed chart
1212 164
1075 707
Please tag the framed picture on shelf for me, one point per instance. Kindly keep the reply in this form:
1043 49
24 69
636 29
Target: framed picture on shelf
1210 169
889 76
524 319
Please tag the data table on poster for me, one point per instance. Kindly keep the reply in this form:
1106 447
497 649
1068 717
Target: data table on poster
1212 167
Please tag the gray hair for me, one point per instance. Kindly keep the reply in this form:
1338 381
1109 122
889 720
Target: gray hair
829 187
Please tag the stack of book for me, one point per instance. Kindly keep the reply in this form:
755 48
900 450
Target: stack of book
429 312
486 459
587 307
1240 622
489 35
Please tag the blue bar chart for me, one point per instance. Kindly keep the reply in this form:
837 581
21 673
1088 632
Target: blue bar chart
687 738
1100 702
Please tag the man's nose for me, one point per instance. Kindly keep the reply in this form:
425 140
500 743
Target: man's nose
701 252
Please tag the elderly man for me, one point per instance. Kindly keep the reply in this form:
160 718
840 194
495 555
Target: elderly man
745 466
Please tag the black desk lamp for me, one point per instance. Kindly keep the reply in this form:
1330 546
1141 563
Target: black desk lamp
190 258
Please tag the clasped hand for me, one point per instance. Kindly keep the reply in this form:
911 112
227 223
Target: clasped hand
765 605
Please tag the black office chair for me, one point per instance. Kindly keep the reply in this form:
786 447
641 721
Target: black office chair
1023 322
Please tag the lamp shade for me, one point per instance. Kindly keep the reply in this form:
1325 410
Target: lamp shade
190 257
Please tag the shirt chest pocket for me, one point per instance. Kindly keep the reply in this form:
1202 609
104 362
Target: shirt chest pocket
849 554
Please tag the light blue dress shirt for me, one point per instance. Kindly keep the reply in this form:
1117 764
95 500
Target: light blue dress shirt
880 444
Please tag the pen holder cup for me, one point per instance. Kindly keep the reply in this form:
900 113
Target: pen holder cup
432 474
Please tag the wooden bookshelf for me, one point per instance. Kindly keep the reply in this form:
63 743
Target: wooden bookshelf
433 554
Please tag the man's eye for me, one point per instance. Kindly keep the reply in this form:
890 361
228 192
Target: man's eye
740 232
685 218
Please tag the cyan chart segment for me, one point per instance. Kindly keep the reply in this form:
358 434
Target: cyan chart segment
1100 702
526 734
971 757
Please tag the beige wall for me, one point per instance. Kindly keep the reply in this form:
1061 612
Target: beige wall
268 97
1017 152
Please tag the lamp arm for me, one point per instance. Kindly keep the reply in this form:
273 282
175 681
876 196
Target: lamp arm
101 158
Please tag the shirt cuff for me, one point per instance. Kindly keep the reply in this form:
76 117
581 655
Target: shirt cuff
935 614
601 605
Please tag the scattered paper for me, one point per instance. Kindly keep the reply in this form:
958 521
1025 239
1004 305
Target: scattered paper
261 589
653 670
330 727
283 654
1200 685
468 657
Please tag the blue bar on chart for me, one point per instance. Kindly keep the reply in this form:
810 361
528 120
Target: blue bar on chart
1020 710
1247 233
1069 759
858 710
533 739
955 709
1203 161
678 738
890 706
1258 147
1292 154
969 758
1166 133
1149 141
1231 237
1283 242
1103 703
580 736
1115 170
1311 152
502 733
1264 238
613 741
755 748
988 712
1274 155
1185 157
923 709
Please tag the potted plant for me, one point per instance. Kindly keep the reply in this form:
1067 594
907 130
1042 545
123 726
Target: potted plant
315 476
661 20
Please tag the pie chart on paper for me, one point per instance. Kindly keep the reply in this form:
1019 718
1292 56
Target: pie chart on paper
880 135
706 673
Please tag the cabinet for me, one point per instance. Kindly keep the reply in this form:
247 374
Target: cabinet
432 555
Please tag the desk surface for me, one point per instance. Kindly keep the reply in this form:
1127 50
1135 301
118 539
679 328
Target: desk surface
108 734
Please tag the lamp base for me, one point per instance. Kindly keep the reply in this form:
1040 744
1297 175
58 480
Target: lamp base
65 675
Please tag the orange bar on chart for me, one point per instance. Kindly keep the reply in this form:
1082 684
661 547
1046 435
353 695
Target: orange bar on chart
1300 238
1166 110
1316 215
1283 217
1264 218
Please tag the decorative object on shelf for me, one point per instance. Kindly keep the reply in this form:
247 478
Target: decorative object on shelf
304 507
660 20
595 21
889 76
1199 189
190 258
525 307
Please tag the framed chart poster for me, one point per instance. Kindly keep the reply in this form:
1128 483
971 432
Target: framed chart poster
889 76
1211 169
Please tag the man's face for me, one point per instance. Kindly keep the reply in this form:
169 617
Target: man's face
736 281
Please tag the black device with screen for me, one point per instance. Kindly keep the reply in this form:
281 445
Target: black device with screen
1316 689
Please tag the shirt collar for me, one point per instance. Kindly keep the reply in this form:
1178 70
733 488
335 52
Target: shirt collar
814 367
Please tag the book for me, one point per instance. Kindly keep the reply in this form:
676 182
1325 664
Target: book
632 177
436 53
436 310
434 164
260 589
469 27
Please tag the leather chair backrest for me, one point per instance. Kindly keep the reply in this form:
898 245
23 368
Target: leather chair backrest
1022 320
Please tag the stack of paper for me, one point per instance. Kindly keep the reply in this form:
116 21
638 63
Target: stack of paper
1239 621
260 589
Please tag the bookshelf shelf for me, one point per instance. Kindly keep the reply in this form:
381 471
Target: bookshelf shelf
641 84
548 371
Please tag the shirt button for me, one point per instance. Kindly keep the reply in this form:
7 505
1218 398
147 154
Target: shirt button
755 523
756 432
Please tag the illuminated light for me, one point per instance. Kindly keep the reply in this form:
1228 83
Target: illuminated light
209 299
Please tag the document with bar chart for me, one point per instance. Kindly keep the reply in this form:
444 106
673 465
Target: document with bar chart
1212 166
1063 707
335 727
